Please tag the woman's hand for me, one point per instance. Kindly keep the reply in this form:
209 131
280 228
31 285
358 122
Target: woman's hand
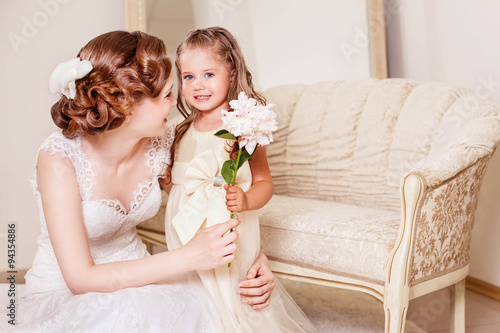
211 247
259 284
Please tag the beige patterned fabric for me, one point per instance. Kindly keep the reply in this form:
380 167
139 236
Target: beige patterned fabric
444 228
329 236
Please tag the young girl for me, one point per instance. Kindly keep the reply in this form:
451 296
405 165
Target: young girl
211 71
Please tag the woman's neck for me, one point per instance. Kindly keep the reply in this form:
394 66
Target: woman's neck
114 148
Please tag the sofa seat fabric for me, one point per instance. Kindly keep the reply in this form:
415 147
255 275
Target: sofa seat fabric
332 237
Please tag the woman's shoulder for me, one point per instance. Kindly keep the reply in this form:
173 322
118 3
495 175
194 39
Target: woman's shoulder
57 143
159 150
164 142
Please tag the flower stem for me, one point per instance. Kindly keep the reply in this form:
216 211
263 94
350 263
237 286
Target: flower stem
233 181
235 171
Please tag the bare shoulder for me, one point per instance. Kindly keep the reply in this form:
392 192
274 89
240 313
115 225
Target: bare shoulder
55 170
48 162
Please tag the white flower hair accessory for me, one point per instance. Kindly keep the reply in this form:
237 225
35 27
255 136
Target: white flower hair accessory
62 80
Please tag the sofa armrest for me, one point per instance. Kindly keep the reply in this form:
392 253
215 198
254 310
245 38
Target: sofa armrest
442 232
463 138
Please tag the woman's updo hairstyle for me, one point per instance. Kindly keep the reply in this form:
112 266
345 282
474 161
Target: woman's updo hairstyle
127 68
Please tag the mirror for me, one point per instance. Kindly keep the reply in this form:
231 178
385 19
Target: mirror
284 41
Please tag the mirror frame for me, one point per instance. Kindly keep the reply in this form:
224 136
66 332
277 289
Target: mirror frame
136 20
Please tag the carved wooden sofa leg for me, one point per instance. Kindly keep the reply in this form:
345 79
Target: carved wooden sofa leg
396 307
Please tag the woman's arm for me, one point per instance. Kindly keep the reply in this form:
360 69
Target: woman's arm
262 186
259 284
62 208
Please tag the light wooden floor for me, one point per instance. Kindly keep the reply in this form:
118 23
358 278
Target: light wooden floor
338 310
431 313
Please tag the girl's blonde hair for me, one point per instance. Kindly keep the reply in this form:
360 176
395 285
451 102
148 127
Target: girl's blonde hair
226 48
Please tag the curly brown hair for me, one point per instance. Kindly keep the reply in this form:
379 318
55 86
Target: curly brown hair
223 44
127 68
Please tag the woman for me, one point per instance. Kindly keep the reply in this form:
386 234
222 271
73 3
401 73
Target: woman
95 182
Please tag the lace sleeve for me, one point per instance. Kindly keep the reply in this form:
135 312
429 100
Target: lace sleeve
159 152
58 144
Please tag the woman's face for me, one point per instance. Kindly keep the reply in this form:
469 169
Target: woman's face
150 117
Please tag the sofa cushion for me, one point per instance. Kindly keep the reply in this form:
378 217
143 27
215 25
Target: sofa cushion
329 236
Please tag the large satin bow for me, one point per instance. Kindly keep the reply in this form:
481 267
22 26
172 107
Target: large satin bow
207 200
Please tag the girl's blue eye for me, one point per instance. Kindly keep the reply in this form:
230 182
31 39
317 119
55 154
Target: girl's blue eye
209 75
188 77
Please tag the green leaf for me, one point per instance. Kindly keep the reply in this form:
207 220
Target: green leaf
225 135
227 171
244 157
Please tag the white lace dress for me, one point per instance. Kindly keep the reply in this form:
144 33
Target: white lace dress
47 305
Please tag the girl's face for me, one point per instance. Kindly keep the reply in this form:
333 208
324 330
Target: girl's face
205 81
150 117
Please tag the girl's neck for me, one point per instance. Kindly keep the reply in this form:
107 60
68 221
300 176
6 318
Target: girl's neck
209 121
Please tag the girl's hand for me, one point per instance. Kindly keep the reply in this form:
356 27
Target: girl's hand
211 247
259 284
236 199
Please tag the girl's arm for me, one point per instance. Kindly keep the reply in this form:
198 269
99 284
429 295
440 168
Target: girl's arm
63 214
262 186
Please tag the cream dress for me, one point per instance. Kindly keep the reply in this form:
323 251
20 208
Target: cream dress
197 200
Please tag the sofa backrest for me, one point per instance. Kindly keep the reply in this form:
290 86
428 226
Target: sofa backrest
353 141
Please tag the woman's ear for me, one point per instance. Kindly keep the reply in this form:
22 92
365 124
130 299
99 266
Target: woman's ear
128 117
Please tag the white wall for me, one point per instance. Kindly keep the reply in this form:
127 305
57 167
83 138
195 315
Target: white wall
36 36
170 20
294 41
457 42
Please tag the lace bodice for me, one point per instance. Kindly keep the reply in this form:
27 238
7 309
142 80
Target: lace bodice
47 303
110 226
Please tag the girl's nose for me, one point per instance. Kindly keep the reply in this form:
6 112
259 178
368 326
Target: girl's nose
198 85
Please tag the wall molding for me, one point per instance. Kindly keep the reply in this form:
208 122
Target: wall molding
482 287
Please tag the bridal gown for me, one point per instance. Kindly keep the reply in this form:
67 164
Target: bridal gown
47 305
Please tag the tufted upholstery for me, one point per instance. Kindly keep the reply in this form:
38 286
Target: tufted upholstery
353 141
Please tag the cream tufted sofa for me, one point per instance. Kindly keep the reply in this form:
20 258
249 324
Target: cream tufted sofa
376 185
